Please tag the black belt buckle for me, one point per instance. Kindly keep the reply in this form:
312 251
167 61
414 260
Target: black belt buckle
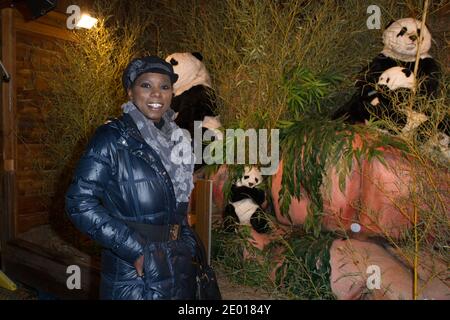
174 230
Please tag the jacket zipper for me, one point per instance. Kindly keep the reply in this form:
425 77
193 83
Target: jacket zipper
132 185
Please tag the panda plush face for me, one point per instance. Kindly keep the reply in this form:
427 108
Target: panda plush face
252 177
397 77
401 39
190 69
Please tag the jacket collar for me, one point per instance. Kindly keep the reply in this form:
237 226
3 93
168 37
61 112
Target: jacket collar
131 129
133 141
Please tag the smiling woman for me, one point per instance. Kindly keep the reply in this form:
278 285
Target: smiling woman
148 82
152 95
131 198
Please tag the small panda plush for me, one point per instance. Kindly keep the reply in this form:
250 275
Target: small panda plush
194 99
394 79
245 203
397 77
400 40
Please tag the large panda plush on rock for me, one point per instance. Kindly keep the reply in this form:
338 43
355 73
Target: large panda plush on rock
394 68
194 99
246 201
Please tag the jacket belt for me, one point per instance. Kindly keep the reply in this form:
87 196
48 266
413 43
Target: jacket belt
156 233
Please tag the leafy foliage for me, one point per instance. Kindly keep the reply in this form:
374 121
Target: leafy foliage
310 146
307 91
292 267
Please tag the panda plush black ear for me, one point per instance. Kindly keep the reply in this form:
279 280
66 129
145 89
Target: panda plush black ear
407 72
198 55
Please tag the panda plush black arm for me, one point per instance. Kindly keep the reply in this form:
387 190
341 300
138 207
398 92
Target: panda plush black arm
369 77
193 105
355 110
198 98
243 192
430 72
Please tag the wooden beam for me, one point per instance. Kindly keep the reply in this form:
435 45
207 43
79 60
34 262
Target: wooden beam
54 16
8 126
46 270
203 213
43 29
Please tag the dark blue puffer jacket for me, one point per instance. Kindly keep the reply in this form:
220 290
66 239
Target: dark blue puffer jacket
120 178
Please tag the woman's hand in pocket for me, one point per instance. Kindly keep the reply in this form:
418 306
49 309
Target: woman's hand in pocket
139 265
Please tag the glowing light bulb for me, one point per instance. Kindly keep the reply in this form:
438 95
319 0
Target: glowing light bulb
86 22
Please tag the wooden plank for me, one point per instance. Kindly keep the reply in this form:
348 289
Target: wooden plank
29 221
46 270
203 213
30 122
28 42
30 174
30 187
34 203
9 141
31 157
53 18
34 184
43 29
9 206
8 88
35 54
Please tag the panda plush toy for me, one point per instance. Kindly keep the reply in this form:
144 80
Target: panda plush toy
397 77
244 207
394 68
194 99
396 80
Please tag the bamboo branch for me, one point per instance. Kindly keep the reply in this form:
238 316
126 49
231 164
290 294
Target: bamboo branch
416 68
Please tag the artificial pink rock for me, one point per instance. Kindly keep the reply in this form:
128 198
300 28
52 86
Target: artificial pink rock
355 266
376 198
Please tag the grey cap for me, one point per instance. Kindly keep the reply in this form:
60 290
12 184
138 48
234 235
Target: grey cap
143 65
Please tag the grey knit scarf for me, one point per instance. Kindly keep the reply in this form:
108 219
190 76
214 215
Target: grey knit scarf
173 146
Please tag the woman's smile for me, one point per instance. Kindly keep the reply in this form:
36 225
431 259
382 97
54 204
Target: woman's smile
155 105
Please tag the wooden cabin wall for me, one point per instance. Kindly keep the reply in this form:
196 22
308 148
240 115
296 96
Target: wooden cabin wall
7 129
27 47
33 53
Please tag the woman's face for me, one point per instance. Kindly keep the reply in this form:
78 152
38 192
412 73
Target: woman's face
152 94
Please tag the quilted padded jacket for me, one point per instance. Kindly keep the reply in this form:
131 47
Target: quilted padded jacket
120 178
